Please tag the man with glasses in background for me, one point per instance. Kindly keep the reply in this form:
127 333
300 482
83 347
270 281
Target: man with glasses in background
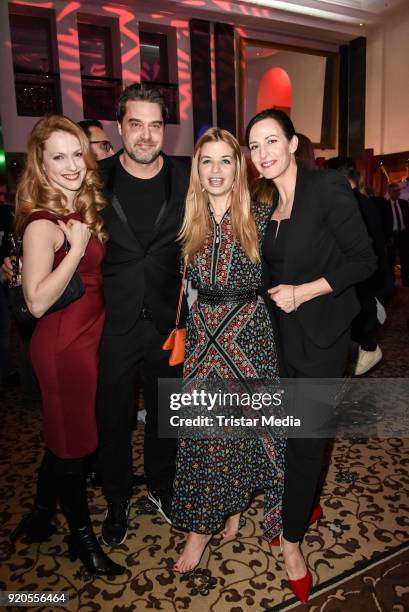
98 140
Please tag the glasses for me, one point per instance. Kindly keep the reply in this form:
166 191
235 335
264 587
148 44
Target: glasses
105 145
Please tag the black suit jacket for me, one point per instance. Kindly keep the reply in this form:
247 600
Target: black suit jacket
373 221
384 207
134 276
326 238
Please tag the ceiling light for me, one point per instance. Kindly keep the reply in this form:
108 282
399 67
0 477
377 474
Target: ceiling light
294 7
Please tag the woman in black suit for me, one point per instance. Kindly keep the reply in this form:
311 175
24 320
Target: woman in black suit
316 249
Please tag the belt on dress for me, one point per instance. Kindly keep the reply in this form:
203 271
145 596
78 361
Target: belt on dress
209 295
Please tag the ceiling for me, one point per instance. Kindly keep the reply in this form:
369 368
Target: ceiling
328 23
367 12
332 22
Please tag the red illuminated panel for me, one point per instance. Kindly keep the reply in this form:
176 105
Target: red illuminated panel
274 90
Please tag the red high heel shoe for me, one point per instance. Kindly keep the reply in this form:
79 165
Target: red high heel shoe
315 517
301 587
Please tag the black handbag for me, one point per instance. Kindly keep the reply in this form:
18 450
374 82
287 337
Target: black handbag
73 291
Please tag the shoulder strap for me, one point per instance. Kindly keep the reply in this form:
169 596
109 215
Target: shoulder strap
41 214
181 290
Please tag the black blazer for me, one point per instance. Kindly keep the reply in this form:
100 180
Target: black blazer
373 221
385 210
326 238
134 276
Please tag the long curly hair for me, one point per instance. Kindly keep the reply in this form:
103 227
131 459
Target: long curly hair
35 192
196 221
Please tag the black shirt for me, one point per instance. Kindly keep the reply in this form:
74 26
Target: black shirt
141 200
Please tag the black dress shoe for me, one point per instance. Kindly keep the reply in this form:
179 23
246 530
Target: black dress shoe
115 524
138 480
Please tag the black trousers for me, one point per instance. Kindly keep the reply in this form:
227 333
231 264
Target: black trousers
300 358
138 355
399 246
365 325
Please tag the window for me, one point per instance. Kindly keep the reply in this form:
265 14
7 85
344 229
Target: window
35 61
155 48
154 57
100 80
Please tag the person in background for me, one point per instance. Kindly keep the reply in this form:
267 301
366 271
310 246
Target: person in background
365 325
6 223
57 215
22 375
305 154
6 218
387 288
316 248
99 141
398 244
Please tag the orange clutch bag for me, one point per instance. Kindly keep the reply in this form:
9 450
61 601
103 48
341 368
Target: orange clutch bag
175 342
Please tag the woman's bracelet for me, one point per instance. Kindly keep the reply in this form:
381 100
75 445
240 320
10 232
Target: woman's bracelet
294 302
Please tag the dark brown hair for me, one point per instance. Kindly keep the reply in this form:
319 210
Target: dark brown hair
136 92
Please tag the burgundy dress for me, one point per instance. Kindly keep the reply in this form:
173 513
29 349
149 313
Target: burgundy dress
64 352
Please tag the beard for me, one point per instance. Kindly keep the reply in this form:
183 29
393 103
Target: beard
144 158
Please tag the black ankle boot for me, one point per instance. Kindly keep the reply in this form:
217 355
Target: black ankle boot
82 541
84 545
37 523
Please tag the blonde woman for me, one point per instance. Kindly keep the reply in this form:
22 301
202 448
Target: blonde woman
229 336
58 199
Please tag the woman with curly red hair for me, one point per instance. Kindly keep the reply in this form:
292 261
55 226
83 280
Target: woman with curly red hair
58 202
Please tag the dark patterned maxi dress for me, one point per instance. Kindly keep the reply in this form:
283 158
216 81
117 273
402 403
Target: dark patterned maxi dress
217 477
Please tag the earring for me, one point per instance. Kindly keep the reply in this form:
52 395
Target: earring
203 189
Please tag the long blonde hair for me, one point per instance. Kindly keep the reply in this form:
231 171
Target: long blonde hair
34 190
196 221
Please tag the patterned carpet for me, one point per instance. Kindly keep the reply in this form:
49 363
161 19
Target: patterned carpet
359 555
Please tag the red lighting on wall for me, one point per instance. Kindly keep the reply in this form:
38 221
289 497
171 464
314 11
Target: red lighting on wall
175 23
38 4
72 6
274 90
130 77
223 5
71 38
125 17
75 96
